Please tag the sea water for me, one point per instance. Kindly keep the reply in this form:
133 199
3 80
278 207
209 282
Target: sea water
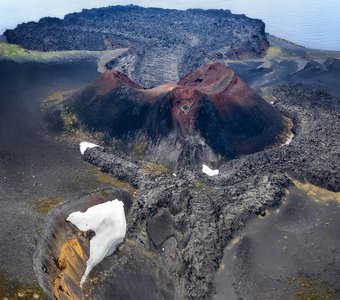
311 23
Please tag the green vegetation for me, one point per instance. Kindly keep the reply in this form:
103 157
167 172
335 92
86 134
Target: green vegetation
70 120
104 193
318 194
104 180
15 290
45 205
197 182
274 51
140 147
16 53
72 127
154 169
77 132
57 96
312 289
202 185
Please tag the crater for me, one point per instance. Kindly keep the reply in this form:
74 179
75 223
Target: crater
212 107
62 253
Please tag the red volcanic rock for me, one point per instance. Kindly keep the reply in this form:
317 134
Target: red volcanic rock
211 105
111 80
229 115
208 82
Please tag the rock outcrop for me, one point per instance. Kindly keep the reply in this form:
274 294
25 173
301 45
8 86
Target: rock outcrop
184 222
209 113
167 43
203 213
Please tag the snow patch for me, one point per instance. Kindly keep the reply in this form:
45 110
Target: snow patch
208 171
108 222
289 140
84 145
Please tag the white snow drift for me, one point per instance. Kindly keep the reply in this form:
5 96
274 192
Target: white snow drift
208 171
108 222
290 139
84 145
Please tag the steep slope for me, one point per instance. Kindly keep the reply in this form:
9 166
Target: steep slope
210 112
230 117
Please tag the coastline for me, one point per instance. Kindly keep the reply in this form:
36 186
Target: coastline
288 64
288 45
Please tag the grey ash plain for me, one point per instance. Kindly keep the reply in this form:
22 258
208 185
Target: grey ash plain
178 227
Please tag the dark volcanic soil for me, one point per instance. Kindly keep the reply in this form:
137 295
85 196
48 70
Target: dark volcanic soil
34 165
289 64
178 226
293 253
206 212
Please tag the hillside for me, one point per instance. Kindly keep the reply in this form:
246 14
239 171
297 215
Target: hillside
165 44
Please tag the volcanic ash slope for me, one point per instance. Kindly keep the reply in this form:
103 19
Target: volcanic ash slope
210 113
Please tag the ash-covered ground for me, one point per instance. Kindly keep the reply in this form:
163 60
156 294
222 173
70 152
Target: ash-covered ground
190 218
178 226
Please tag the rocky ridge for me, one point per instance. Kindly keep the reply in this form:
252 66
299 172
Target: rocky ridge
165 44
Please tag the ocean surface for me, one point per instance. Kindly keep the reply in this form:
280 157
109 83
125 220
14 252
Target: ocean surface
311 23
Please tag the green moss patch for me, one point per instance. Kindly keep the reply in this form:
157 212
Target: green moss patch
154 169
14 290
140 147
15 52
318 194
57 97
274 51
45 205
103 181
106 179
70 120
311 289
